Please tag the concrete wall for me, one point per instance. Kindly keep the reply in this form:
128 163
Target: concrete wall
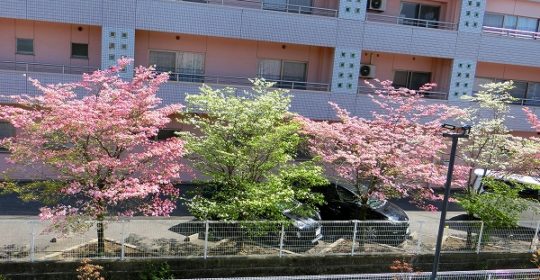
52 42
235 58
386 37
388 63
268 266
525 8
507 72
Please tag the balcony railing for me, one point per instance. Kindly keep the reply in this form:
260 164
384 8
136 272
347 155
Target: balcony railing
244 81
180 77
521 34
280 6
44 67
426 94
411 21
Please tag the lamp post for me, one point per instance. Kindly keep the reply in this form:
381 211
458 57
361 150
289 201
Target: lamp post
455 133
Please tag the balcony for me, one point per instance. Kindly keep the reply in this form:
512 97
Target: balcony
411 21
287 6
437 95
69 72
512 33
44 67
244 81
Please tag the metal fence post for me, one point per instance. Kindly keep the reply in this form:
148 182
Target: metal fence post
33 242
480 237
355 230
206 240
281 240
419 241
534 241
123 238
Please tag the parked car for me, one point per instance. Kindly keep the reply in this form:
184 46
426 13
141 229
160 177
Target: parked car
530 193
385 222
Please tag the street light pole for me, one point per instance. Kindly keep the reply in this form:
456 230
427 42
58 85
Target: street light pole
458 132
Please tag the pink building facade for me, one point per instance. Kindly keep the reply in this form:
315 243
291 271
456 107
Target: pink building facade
322 50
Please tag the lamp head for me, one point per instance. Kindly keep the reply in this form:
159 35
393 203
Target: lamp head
461 131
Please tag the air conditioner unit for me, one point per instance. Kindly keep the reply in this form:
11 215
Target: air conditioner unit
367 71
377 5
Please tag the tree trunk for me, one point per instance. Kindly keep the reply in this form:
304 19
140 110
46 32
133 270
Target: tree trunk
362 231
469 244
101 237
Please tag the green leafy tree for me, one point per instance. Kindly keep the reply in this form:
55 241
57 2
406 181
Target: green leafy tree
500 206
245 146
491 147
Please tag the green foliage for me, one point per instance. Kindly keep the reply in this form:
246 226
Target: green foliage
500 206
153 271
245 145
490 145
46 192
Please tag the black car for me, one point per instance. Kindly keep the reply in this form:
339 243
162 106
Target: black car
385 222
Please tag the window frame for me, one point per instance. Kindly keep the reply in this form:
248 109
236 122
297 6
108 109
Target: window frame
11 133
498 80
281 83
17 51
409 77
517 21
416 20
281 68
183 77
80 56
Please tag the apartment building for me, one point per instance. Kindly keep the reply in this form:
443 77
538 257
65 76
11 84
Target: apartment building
322 50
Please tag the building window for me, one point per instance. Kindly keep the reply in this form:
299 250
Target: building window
411 80
286 74
79 50
511 22
528 93
25 46
420 15
6 131
184 66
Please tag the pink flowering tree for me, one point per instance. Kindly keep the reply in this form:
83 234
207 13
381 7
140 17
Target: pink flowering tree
528 157
97 136
395 153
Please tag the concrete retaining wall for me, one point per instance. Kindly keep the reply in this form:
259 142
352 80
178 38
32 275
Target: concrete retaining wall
265 266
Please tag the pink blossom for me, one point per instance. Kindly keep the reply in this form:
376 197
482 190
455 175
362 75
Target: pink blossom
396 153
97 134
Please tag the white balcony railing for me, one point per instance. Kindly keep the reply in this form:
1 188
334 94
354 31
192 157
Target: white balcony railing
440 95
521 34
179 77
280 6
244 81
411 21
45 67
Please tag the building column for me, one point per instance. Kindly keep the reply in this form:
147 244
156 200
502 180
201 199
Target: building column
464 65
471 18
118 33
346 70
117 42
352 9
462 79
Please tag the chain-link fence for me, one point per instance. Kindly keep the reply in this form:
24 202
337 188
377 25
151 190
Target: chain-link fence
522 274
162 238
